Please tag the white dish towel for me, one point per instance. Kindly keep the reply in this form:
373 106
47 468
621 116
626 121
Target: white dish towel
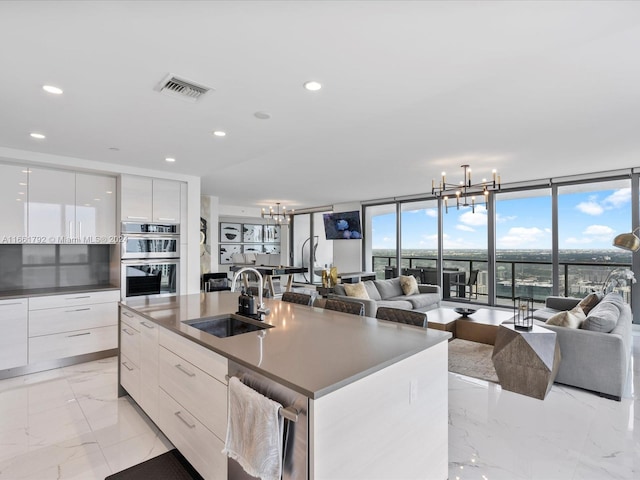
254 431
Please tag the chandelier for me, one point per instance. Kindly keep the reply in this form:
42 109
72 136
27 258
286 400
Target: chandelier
465 190
277 215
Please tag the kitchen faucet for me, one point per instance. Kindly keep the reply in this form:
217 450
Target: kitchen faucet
261 308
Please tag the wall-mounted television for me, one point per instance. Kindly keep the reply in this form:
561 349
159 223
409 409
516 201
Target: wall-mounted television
342 225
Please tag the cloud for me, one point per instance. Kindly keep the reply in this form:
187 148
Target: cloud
478 219
505 218
590 208
521 236
578 241
431 212
598 230
618 198
465 228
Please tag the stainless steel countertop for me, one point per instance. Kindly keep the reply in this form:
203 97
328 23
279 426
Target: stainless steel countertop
42 292
311 350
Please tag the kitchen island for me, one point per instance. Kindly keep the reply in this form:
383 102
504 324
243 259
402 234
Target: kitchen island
376 392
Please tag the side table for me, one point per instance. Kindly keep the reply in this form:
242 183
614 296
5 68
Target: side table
526 361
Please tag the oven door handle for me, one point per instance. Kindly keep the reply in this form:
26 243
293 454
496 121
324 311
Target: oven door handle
151 261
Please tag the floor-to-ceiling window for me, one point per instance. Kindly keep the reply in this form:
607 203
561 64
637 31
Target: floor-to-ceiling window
590 215
382 222
524 243
419 234
464 244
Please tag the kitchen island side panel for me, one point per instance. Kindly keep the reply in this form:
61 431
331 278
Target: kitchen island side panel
392 424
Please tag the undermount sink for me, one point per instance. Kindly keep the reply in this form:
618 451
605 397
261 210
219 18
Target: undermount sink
227 325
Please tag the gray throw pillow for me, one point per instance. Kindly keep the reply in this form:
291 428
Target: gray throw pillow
614 298
389 288
602 318
372 290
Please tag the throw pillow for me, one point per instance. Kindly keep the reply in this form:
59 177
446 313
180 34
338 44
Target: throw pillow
409 285
590 301
603 318
356 290
571 319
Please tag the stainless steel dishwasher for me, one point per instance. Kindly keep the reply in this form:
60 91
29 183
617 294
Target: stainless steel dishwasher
296 431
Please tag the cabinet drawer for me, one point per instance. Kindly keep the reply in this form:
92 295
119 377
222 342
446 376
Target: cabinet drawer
130 377
206 360
13 333
201 447
68 319
130 318
130 343
201 394
72 299
70 344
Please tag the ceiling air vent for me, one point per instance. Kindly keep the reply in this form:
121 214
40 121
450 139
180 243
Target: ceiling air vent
182 88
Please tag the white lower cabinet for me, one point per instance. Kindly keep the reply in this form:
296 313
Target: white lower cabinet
70 344
62 326
197 443
130 376
149 368
13 333
192 403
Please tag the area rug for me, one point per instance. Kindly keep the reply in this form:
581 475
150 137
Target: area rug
472 359
168 466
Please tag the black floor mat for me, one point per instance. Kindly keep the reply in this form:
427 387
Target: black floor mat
170 466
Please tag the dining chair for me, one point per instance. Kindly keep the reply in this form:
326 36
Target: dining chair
299 298
470 285
409 317
355 308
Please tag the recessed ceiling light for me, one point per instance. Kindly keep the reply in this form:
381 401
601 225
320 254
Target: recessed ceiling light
312 85
109 192
262 115
52 89
22 184
170 160
39 136
219 133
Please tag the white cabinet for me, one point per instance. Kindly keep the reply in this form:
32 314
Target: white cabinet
139 360
95 208
66 205
166 201
135 197
13 333
13 198
62 326
192 405
146 199
52 200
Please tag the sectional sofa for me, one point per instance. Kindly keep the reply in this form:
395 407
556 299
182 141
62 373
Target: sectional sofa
390 293
596 348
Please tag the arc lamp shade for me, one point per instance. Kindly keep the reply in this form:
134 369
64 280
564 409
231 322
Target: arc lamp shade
628 241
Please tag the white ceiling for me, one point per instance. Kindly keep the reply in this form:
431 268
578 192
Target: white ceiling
534 89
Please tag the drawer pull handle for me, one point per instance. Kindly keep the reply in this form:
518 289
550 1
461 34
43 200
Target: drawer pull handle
12 303
127 366
77 310
188 424
79 334
167 219
133 217
128 332
147 325
78 298
184 370
127 314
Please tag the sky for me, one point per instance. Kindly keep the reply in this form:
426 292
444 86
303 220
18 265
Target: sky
587 220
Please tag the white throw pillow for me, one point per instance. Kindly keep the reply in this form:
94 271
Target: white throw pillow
409 285
355 290
571 319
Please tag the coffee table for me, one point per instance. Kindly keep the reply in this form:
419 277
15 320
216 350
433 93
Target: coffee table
481 326
526 361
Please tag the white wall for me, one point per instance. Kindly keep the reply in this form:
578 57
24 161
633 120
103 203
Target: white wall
347 254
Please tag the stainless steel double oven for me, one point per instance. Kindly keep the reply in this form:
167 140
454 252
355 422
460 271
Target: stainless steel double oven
150 259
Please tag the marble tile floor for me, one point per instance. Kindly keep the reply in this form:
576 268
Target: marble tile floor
69 424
